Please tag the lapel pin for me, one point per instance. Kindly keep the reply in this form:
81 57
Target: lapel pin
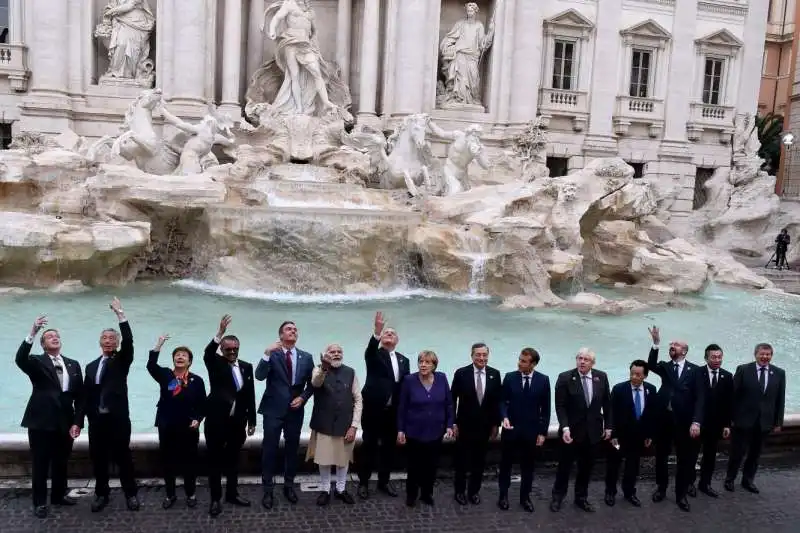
771 372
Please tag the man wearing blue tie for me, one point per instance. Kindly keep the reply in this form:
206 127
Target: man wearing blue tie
634 410
287 371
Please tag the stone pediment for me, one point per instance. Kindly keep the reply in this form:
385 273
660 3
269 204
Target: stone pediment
647 33
569 23
721 42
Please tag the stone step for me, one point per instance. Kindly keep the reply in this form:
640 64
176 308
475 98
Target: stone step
255 215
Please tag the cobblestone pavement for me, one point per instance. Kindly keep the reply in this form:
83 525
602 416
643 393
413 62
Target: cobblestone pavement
775 510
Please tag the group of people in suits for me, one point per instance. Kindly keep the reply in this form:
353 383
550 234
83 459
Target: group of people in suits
695 407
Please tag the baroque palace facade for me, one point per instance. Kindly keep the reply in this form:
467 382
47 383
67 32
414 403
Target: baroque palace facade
657 82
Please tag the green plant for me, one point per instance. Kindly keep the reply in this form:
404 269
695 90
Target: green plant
769 128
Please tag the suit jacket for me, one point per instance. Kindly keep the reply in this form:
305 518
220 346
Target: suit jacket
222 393
585 423
529 414
685 397
113 386
280 391
380 385
624 425
473 418
752 408
718 401
181 409
49 408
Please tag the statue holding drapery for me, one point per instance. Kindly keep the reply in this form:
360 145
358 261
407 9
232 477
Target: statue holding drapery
125 31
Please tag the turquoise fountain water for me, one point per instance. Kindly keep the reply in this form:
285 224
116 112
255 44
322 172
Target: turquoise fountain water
447 324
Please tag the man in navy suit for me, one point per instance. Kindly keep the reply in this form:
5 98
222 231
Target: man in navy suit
287 370
682 394
525 410
53 415
634 413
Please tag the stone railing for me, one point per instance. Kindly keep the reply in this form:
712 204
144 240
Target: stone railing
14 65
711 115
632 109
559 102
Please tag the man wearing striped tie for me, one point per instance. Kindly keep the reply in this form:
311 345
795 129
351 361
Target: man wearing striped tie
634 410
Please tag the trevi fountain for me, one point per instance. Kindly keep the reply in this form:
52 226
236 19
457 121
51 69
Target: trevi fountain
296 212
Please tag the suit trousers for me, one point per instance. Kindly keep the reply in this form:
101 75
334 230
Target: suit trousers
49 450
515 448
224 439
290 425
470 451
709 442
423 460
631 452
749 442
178 448
674 433
109 441
378 443
581 452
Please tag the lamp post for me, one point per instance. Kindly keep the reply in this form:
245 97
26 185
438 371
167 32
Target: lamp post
788 140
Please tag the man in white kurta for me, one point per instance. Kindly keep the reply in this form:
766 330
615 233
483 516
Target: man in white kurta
334 420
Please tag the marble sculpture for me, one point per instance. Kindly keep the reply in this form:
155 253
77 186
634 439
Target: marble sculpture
125 32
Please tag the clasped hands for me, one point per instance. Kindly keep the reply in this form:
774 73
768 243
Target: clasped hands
401 436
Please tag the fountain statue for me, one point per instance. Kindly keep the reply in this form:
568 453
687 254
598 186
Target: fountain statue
125 31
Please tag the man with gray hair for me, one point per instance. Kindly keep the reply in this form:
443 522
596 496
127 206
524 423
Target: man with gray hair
583 408
106 386
334 421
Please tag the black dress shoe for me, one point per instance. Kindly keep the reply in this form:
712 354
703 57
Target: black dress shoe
66 501
692 491
133 503
475 499
729 486
610 499
235 499
168 502
427 499
502 503
750 487
585 505
388 489
683 504
191 501
267 501
634 500
555 504
99 503
659 495
527 505
290 494
708 491
40 511
461 498
363 492
344 496
215 508
324 498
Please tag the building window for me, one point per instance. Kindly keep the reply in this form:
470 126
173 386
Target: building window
638 169
5 135
641 61
563 64
557 166
712 80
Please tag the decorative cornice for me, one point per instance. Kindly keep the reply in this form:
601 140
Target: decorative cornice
722 8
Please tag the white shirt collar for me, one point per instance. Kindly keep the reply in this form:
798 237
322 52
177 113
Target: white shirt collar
476 370
588 374
634 387
680 361
527 375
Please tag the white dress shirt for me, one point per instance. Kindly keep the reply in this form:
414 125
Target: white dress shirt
238 380
681 364
587 383
766 375
640 388
59 361
711 375
482 383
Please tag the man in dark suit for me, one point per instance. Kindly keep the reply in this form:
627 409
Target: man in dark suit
682 395
287 370
759 392
583 408
476 392
634 414
717 416
230 415
106 408
386 369
52 416
525 413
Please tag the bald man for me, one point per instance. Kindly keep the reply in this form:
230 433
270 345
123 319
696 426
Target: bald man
682 393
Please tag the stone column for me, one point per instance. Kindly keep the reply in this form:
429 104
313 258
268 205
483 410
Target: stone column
527 45
189 51
15 29
344 35
370 55
751 56
232 58
74 46
681 90
411 46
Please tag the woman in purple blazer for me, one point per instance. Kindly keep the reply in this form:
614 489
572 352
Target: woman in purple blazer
424 416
